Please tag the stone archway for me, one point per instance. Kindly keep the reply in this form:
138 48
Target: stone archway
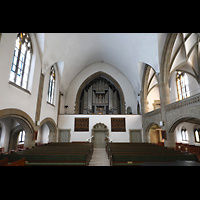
24 120
99 131
170 133
52 129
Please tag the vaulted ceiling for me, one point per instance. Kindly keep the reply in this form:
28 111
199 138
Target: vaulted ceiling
125 51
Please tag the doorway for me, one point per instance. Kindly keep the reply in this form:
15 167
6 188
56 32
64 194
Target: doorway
155 133
64 135
100 131
135 135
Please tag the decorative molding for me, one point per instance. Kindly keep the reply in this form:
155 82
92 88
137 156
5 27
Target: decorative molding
183 103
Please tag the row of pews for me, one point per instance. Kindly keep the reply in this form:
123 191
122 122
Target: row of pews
53 154
135 154
80 153
188 148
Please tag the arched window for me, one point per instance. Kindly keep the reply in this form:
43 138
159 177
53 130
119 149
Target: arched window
182 85
184 134
197 135
21 137
51 89
21 60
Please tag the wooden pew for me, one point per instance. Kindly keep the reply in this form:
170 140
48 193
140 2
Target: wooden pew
17 163
4 162
56 154
137 153
2 149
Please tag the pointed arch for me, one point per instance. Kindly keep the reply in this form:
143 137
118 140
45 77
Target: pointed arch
94 76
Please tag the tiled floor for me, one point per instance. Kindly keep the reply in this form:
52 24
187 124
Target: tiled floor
99 158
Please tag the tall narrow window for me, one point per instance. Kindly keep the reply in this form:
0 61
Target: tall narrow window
51 89
20 69
184 134
197 135
182 85
21 137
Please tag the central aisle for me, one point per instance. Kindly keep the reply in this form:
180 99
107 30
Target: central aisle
99 158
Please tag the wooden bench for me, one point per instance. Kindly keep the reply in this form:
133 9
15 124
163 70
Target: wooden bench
17 163
55 154
4 162
188 148
137 153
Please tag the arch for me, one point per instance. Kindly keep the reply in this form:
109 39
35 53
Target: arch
50 123
94 76
21 117
52 129
166 55
149 83
129 110
99 133
100 127
153 132
13 137
176 122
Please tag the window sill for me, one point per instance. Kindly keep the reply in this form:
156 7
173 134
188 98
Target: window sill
19 87
50 104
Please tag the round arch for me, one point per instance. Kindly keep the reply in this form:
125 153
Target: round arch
94 76
50 123
52 128
188 119
13 137
21 117
152 135
25 122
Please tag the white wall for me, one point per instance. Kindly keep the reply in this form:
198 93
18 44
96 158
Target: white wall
194 87
190 129
132 122
11 96
48 110
129 93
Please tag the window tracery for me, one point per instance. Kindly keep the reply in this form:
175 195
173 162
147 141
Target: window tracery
20 69
51 89
182 85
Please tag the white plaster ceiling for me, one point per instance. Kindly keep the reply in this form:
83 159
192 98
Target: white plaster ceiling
75 51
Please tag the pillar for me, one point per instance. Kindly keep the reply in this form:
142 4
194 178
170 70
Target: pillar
170 142
165 100
29 140
52 136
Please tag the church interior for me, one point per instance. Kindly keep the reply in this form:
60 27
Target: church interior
109 99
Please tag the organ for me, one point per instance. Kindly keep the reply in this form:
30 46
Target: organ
100 96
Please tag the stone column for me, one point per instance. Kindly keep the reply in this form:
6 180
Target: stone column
29 140
165 100
170 142
52 136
